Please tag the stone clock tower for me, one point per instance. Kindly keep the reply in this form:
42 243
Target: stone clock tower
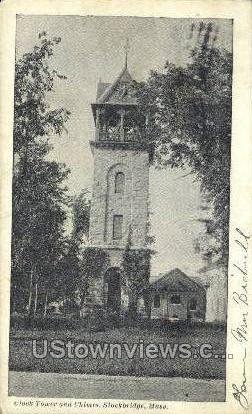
120 184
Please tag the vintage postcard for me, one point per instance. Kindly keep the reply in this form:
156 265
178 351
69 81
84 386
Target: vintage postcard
126 226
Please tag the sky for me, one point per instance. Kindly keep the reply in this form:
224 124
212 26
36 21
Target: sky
92 48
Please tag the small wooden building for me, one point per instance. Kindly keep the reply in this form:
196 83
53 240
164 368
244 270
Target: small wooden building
177 297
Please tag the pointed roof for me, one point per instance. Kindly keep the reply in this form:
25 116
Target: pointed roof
101 88
176 281
108 92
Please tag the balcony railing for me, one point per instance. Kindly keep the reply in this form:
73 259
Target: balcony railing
117 135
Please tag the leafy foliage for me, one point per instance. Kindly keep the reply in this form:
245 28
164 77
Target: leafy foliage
94 261
81 215
190 125
136 273
39 192
70 271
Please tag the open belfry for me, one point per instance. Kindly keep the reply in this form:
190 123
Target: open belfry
119 207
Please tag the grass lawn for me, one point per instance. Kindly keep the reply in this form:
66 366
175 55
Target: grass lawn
22 359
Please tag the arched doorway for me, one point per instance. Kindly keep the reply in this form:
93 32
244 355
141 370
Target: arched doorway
112 282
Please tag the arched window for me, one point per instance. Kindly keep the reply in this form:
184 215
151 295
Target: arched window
193 304
119 182
175 299
156 301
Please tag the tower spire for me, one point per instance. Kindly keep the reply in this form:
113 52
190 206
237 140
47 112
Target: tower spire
126 47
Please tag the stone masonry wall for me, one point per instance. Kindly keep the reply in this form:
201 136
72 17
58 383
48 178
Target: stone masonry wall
132 204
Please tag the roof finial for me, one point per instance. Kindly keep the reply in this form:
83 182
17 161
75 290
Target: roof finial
126 47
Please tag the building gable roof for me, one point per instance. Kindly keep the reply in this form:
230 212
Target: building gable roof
176 281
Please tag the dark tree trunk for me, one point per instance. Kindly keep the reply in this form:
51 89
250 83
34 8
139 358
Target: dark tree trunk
45 306
30 293
35 300
133 297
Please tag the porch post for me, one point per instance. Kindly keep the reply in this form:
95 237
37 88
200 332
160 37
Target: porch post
122 114
97 131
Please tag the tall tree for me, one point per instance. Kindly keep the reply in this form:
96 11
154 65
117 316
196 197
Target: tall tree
81 216
39 192
136 273
70 271
190 112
